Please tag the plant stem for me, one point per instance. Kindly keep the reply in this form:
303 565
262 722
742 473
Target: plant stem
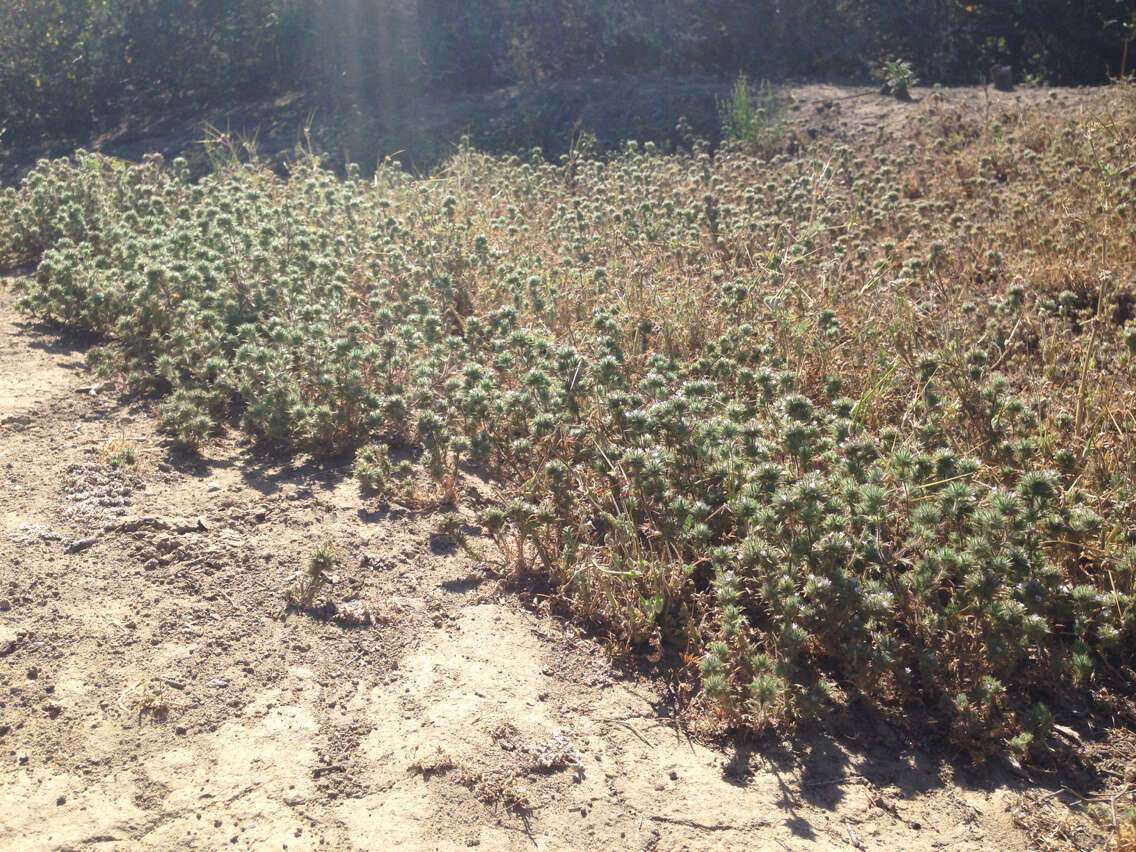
1080 412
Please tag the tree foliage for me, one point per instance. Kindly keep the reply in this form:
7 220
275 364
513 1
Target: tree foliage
70 66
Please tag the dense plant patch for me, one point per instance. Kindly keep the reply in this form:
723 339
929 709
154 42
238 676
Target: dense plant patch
858 421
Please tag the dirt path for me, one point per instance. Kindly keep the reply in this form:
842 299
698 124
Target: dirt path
153 698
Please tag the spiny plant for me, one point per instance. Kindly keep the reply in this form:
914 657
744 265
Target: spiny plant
451 526
855 421
373 469
320 565
121 453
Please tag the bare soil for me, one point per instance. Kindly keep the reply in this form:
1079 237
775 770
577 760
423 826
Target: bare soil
155 695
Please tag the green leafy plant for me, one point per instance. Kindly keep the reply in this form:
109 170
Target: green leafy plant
898 79
756 119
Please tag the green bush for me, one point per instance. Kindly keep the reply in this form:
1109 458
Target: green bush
68 67
898 79
755 119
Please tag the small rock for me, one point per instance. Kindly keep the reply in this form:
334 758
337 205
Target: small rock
22 759
1069 734
9 640
1002 76
33 673
180 730
5 605
81 544
62 800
